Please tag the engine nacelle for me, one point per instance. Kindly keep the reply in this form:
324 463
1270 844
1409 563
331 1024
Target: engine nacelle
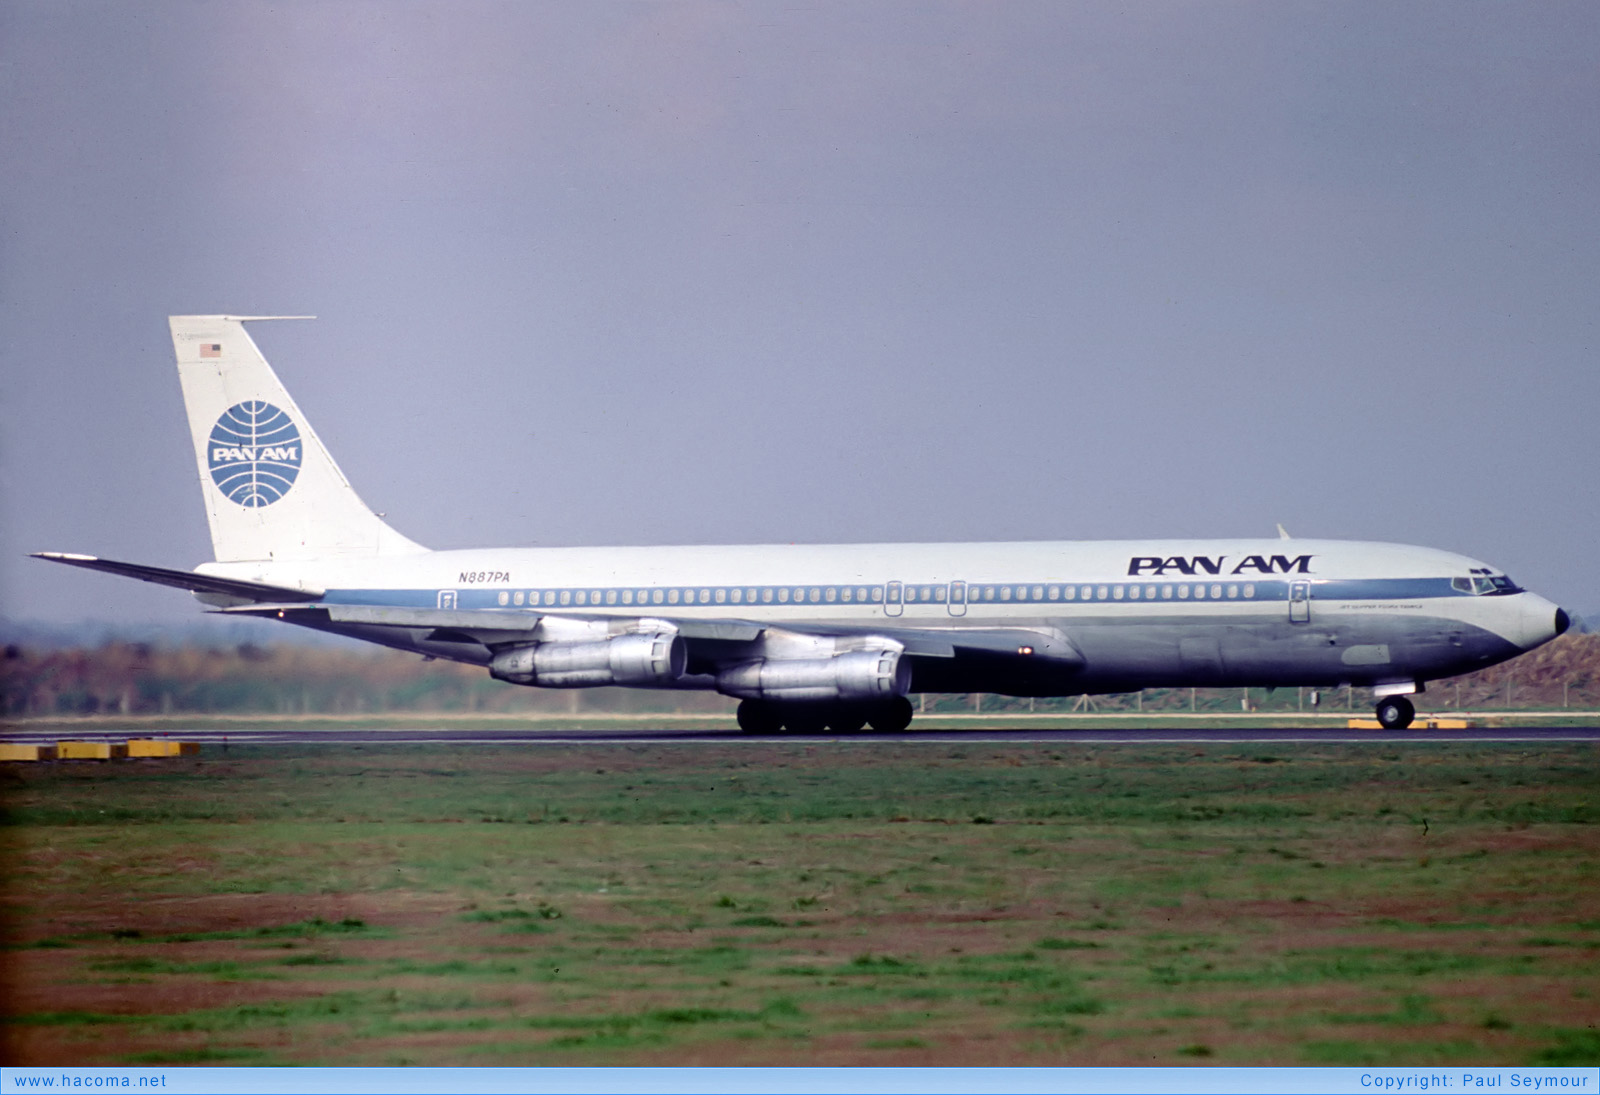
641 659
860 676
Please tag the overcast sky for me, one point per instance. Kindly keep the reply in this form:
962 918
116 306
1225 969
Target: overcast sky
596 273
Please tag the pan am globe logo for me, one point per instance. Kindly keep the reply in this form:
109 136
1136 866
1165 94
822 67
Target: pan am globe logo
255 453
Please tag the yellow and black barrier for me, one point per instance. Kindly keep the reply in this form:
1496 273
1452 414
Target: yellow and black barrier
140 748
1422 723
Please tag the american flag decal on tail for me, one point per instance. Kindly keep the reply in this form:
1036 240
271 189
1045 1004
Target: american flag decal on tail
211 349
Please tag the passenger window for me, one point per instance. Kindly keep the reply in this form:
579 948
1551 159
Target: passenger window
1117 592
1104 593
627 596
504 597
831 593
1216 592
938 594
1166 593
1071 593
1133 593
656 596
1249 591
566 596
783 595
848 594
1005 593
1055 593
1233 591
611 596
1183 593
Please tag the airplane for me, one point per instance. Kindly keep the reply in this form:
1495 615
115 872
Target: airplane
814 637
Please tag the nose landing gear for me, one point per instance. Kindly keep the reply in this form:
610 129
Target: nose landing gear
1395 712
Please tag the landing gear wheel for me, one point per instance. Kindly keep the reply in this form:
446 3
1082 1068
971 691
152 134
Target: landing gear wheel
891 717
756 717
1395 713
805 718
847 720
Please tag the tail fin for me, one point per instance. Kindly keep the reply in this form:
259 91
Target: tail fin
271 489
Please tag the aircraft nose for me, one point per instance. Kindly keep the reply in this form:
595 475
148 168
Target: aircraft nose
1542 621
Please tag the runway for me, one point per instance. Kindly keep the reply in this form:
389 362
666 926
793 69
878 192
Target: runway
657 735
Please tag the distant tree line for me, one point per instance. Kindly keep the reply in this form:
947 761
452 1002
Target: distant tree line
151 679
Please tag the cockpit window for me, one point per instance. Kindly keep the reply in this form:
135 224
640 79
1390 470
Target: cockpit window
1480 585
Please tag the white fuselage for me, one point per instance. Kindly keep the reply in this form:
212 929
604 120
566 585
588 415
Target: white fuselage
1137 613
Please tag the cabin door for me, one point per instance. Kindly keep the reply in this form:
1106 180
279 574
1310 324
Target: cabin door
958 599
1299 602
893 599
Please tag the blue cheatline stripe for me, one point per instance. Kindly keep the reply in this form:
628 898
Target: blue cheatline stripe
1060 594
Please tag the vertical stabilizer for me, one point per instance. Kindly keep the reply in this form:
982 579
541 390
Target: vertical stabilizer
271 490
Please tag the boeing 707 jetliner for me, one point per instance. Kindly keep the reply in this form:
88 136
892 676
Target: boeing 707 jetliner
809 637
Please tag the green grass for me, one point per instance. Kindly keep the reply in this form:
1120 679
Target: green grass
645 904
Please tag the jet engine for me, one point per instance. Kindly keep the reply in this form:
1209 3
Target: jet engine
861 675
639 659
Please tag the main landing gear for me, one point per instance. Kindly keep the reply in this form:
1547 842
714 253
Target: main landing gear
1395 712
767 717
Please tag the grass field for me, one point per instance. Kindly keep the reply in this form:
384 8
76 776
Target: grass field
786 903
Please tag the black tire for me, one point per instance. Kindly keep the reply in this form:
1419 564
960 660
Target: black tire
1395 713
847 720
805 718
757 717
891 717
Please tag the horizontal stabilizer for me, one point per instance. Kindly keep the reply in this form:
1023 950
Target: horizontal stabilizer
184 579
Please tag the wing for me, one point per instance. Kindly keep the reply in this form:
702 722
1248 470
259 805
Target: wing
711 645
